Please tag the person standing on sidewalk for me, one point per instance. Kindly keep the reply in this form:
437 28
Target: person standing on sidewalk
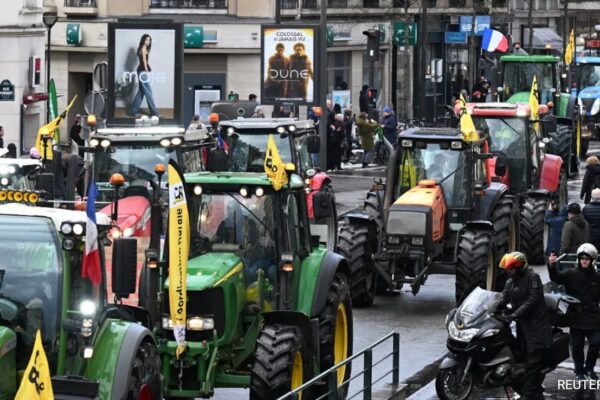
555 219
591 213
576 231
389 126
366 132
582 283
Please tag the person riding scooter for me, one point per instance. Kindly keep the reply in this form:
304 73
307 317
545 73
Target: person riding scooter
524 291
582 283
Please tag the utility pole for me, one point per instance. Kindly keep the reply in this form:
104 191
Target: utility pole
530 25
422 42
322 84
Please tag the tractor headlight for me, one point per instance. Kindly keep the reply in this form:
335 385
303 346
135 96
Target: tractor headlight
417 241
86 327
230 131
462 335
94 142
167 323
200 324
198 190
104 143
78 229
66 228
165 142
68 244
595 107
407 143
280 129
87 308
456 145
394 240
259 192
4 181
581 106
292 128
176 141
244 191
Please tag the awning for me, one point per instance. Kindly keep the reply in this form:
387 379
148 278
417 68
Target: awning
542 37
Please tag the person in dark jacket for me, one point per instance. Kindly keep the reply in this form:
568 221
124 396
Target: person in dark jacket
555 219
348 124
575 232
389 126
525 292
591 213
591 179
582 283
363 99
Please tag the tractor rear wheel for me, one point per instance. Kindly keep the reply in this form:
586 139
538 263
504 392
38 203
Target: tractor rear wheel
353 244
560 144
145 379
280 362
533 210
335 331
476 266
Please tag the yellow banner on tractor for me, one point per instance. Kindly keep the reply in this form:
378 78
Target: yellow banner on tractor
36 383
47 131
534 103
570 48
274 167
467 127
179 249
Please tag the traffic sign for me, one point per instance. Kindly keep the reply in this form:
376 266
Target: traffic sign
455 37
481 23
398 37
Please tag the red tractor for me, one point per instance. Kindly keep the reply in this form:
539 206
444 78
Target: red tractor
522 163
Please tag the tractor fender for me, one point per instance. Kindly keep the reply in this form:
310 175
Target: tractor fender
331 264
310 331
125 337
359 217
535 193
487 202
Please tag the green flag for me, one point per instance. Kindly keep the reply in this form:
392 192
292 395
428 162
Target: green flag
53 105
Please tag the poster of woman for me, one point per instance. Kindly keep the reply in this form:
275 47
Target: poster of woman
145 72
287 65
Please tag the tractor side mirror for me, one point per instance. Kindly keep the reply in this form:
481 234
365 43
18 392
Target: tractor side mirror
313 143
124 266
549 124
501 165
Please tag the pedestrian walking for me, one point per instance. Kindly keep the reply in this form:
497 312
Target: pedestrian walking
389 126
591 179
576 230
583 283
363 99
335 145
591 213
366 133
525 292
555 219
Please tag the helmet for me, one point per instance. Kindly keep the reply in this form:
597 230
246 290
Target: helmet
514 260
587 249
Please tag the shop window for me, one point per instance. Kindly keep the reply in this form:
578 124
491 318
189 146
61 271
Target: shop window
338 70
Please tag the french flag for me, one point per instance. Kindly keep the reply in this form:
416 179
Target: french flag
494 41
91 259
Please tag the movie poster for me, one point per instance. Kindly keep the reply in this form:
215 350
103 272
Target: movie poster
287 65
144 72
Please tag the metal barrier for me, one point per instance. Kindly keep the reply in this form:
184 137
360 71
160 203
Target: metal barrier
330 376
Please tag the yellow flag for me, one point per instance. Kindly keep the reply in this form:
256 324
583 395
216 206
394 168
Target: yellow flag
467 127
570 48
179 249
36 383
48 132
274 167
534 101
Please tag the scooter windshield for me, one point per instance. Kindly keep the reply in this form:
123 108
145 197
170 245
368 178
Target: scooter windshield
477 307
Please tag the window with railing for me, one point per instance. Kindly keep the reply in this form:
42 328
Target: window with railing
309 3
371 3
457 3
289 4
80 3
188 4
337 3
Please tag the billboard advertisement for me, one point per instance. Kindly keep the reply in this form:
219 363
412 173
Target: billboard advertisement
144 75
288 61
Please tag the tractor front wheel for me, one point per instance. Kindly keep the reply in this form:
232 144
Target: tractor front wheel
280 362
560 144
354 245
145 380
476 266
533 210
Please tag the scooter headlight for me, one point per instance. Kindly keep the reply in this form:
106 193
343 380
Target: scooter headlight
461 335
490 333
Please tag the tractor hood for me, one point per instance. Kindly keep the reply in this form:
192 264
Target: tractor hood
591 92
212 269
520 97
134 216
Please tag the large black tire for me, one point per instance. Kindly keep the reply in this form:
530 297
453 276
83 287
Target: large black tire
337 298
448 385
560 144
505 231
531 232
277 349
373 206
354 245
145 374
476 266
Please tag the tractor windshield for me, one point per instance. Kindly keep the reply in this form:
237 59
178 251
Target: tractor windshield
588 75
247 150
134 161
233 223
430 160
30 275
519 76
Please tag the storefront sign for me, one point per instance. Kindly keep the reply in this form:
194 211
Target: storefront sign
455 37
193 36
7 91
481 23
592 43
398 37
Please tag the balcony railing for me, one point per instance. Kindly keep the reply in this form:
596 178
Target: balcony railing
289 4
371 3
80 3
337 3
188 4
499 3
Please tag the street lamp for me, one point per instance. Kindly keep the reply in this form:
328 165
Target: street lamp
49 21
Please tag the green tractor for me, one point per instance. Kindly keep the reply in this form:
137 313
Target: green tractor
517 75
268 306
94 349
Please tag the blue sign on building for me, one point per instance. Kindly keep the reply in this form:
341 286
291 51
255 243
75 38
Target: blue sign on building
481 23
455 37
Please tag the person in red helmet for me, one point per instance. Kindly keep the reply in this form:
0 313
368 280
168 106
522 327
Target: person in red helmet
525 293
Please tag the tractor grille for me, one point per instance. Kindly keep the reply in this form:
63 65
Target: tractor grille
205 303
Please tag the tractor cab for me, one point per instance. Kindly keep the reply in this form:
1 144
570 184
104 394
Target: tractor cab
588 94
19 173
518 72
